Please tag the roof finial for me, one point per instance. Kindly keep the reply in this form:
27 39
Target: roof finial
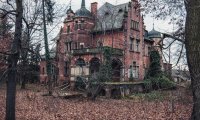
153 25
83 4
153 21
70 4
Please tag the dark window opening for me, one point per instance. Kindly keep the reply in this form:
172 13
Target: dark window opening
69 46
82 24
68 17
68 29
131 44
66 68
81 45
76 45
52 69
43 71
120 10
106 13
80 62
76 25
137 45
148 51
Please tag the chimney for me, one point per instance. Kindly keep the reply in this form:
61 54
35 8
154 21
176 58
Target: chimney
94 8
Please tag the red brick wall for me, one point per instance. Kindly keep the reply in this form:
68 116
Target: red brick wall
119 39
94 6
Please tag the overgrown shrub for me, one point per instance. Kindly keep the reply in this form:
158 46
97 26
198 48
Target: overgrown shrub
155 66
159 82
155 78
154 96
148 85
79 84
166 83
151 96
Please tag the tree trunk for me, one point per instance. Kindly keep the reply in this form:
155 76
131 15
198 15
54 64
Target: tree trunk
192 43
47 56
23 85
12 61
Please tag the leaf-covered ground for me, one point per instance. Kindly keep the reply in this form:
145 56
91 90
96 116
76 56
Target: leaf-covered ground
30 105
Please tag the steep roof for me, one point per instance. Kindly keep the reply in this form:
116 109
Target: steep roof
110 16
146 37
83 12
154 34
70 10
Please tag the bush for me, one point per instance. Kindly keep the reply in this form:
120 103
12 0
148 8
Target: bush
147 85
151 96
154 96
166 83
159 82
79 84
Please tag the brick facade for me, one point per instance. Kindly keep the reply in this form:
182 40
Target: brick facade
85 32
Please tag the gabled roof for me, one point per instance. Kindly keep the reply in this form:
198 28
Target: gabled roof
110 16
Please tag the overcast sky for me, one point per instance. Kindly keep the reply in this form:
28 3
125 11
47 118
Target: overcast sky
160 25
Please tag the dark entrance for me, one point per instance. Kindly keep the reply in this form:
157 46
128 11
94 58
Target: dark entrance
116 69
94 65
80 62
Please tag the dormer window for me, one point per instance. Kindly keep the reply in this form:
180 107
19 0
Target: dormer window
120 10
106 13
68 16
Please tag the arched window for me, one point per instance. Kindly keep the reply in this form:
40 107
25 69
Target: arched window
80 62
94 65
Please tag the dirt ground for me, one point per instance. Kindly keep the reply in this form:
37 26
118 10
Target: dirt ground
31 105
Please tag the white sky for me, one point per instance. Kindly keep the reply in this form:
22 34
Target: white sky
160 25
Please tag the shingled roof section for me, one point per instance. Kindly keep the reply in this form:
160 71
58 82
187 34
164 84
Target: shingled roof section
110 17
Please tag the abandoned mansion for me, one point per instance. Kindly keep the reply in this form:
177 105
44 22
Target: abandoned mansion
85 34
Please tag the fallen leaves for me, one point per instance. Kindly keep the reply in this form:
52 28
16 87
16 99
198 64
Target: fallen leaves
33 106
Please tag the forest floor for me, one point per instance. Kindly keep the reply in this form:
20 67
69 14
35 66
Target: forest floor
163 105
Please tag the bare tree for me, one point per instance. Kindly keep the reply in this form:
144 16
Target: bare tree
178 10
12 61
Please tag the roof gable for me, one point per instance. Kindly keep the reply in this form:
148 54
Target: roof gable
110 17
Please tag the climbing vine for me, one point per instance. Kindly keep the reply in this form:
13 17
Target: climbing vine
155 78
155 65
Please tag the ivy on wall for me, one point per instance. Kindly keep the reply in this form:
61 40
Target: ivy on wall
155 78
